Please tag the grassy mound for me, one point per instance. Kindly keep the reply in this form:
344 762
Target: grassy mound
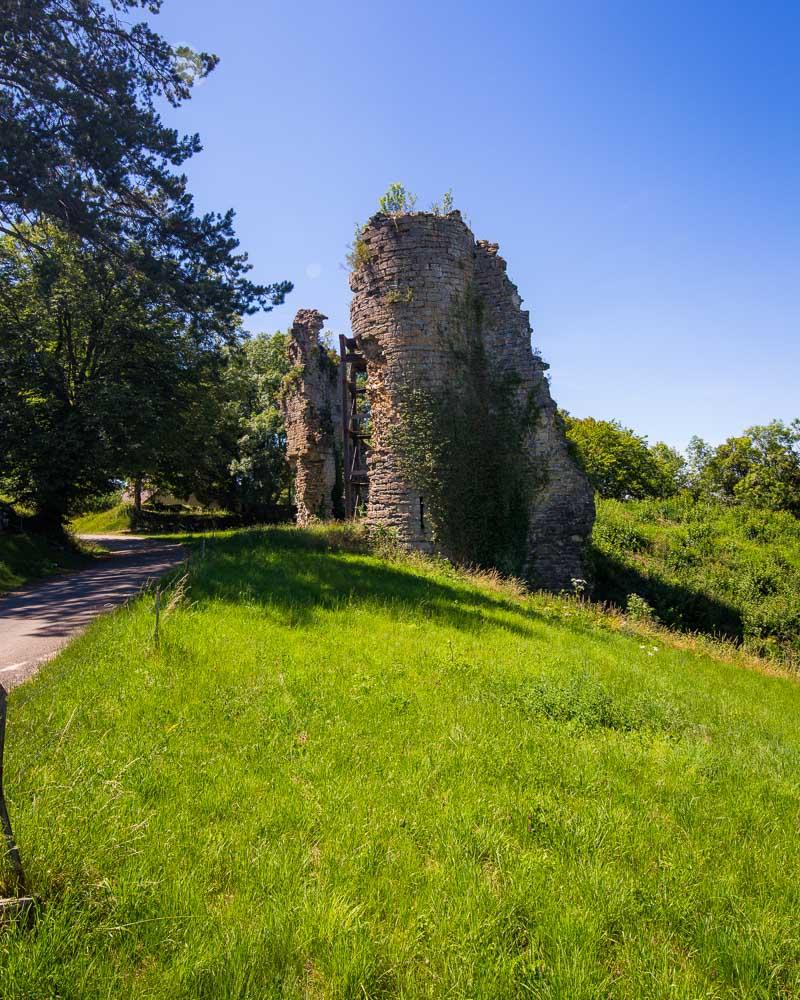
341 776
704 566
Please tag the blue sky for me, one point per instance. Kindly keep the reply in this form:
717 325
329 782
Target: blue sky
639 164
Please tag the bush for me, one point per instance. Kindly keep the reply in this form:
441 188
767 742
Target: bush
397 200
620 464
638 610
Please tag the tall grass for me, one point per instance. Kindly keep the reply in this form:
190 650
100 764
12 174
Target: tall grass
342 776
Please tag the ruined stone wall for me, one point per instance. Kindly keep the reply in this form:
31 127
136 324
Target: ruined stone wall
420 275
401 316
312 412
561 510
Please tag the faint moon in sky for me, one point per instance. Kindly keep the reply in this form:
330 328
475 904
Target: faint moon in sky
313 271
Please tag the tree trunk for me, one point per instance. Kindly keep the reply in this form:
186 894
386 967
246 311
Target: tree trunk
49 521
137 496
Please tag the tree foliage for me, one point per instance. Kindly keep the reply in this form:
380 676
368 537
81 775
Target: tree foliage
82 143
760 468
620 464
120 307
260 469
101 376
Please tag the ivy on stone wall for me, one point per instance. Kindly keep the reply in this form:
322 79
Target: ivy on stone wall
292 380
462 445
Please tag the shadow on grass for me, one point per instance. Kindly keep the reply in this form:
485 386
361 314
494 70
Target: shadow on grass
26 556
151 521
297 584
679 607
300 583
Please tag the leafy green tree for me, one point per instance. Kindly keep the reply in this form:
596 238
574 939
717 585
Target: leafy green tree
673 468
198 430
760 468
83 143
620 464
101 376
698 454
261 470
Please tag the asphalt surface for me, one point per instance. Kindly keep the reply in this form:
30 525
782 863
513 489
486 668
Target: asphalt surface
36 621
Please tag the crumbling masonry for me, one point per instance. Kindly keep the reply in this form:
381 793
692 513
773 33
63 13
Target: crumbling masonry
313 415
426 296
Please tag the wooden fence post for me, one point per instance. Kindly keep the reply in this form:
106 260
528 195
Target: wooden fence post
13 852
21 905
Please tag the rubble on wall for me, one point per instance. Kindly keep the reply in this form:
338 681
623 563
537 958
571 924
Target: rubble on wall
312 412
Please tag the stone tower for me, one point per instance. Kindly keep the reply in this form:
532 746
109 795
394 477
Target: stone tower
427 296
313 415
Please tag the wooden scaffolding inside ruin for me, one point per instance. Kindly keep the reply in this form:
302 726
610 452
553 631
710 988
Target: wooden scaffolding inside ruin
355 426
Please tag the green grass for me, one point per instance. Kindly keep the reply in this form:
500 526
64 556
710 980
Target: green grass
340 776
117 519
111 521
705 566
25 557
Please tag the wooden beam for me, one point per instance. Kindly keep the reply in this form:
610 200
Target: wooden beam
348 493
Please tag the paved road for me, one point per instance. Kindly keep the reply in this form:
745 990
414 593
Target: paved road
38 620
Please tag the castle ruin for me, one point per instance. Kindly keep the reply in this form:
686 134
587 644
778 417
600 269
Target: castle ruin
443 423
313 417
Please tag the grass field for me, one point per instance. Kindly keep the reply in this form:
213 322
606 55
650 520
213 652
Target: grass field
341 776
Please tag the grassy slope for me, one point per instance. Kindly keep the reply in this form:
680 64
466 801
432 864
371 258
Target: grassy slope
342 777
706 566
115 519
118 519
25 557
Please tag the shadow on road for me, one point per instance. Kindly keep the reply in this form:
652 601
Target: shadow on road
38 619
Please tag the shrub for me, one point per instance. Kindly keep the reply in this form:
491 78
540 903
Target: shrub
357 252
638 610
397 200
400 296
445 206
619 538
